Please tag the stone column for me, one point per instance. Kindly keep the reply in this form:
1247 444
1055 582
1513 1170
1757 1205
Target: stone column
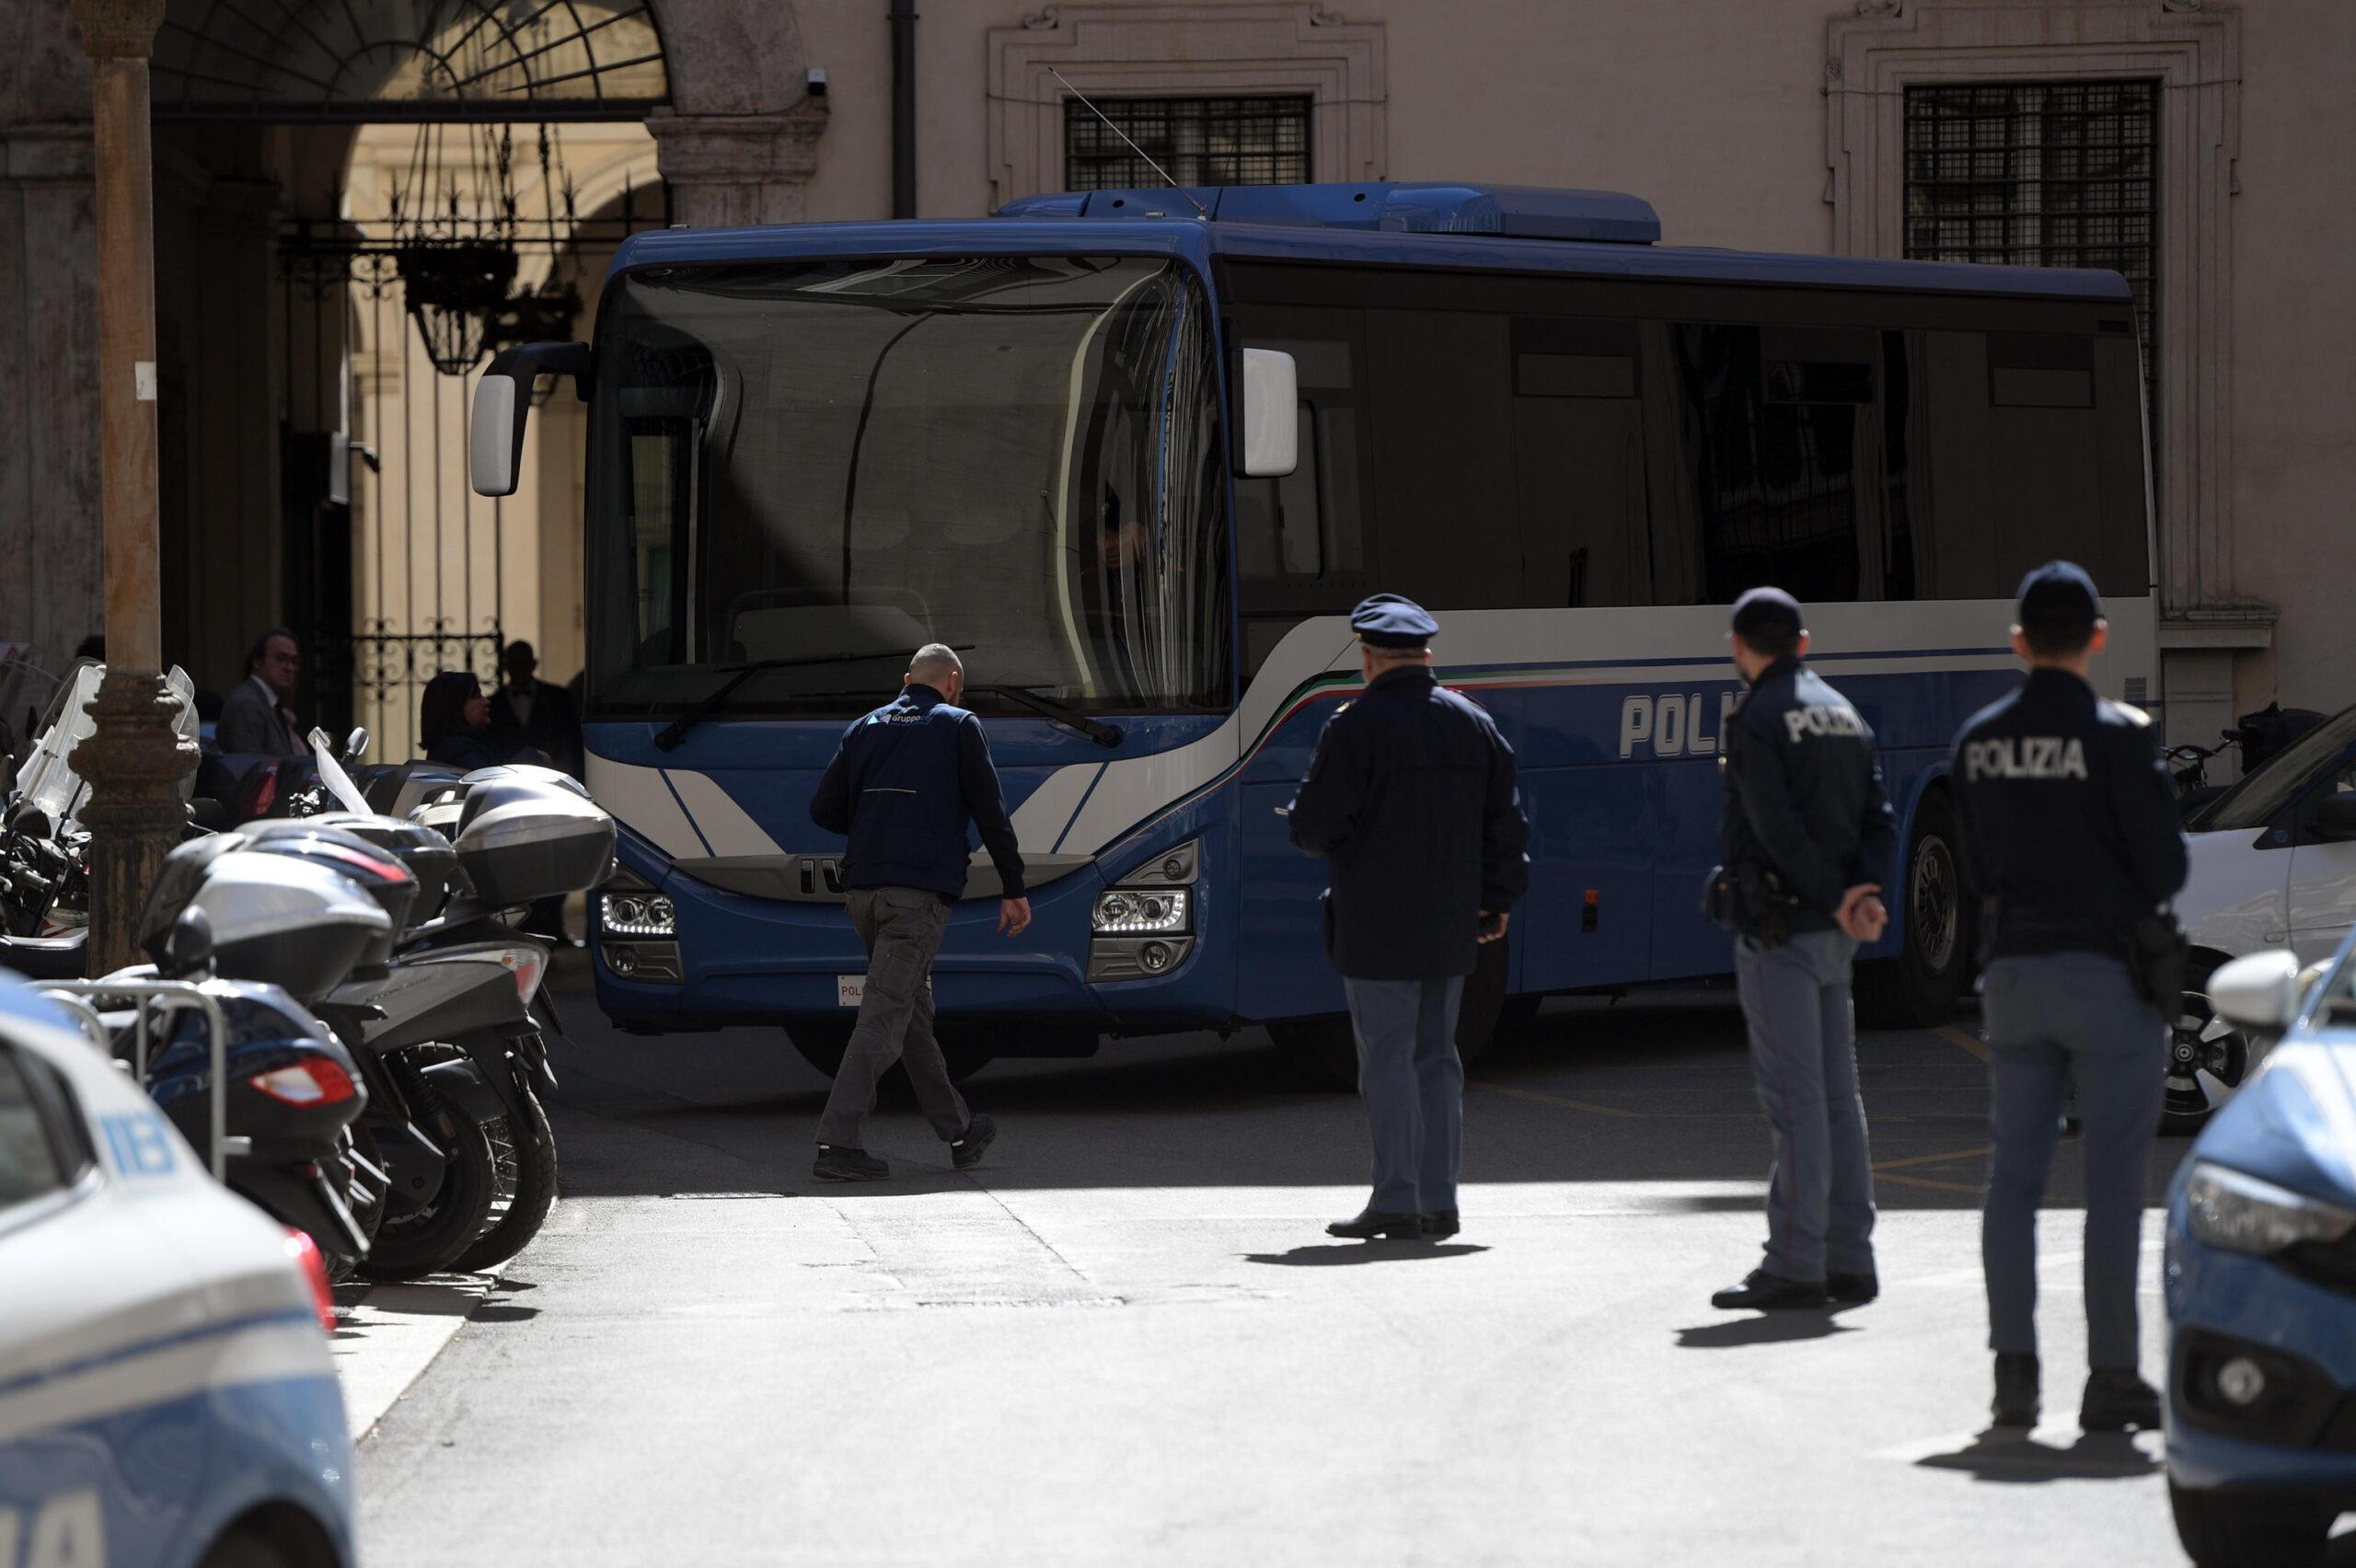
134 760
730 170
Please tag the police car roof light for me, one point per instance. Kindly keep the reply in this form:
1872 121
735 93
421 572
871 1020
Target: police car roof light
1514 211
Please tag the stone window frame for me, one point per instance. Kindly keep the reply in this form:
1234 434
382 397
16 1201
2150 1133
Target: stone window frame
1183 51
2193 51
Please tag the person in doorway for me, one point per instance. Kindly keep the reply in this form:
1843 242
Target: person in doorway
256 718
1807 835
1410 800
2072 839
528 712
454 722
902 786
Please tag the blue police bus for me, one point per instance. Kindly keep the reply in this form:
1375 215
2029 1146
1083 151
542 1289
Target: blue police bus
1136 454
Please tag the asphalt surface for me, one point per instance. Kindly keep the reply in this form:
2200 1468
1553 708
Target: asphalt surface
1126 1338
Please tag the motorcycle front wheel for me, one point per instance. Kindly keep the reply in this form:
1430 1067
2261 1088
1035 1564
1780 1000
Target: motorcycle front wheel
525 1156
428 1238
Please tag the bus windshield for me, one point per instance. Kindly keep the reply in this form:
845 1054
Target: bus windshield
818 465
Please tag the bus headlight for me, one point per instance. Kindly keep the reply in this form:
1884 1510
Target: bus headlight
1139 911
637 914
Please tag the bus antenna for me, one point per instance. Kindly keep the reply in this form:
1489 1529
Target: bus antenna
1200 211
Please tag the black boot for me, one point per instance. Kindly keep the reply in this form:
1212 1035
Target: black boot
1850 1289
2116 1401
1438 1223
1762 1292
848 1165
1372 1223
966 1152
2016 1392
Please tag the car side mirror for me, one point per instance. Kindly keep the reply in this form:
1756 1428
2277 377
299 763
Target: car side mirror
2261 992
2335 816
1271 414
190 947
355 745
504 402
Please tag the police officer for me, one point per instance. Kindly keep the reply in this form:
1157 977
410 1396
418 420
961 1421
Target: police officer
1411 800
2071 840
1806 836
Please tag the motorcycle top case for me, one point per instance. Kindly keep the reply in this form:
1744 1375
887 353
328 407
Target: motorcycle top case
378 874
279 919
427 854
520 839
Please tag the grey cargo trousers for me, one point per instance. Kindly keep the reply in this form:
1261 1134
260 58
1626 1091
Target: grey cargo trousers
1796 999
2050 1018
901 927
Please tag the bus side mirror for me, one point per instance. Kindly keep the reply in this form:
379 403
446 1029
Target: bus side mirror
502 403
1271 417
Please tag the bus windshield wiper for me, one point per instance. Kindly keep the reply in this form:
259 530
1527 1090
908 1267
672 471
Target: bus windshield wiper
676 730
1069 717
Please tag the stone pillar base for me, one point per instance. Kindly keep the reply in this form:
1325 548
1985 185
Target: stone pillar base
133 762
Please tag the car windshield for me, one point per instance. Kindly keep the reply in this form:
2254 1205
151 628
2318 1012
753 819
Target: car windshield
2255 800
819 466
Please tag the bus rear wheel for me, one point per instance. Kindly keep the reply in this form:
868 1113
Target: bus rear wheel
1921 985
822 1041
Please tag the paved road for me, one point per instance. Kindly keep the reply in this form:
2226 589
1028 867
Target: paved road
1127 1340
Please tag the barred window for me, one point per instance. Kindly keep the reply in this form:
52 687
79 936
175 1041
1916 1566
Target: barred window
2037 174
1203 141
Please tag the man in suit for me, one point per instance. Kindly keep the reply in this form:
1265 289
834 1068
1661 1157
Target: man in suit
1410 801
256 718
528 711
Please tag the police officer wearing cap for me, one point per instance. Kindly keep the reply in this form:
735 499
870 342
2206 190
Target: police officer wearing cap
1808 835
1410 801
2070 841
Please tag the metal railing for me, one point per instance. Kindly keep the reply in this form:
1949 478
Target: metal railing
83 999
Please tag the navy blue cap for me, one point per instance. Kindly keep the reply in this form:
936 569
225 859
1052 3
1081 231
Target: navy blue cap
1386 620
1769 614
2059 596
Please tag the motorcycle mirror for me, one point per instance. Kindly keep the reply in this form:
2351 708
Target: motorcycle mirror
355 745
190 947
30 821
207 813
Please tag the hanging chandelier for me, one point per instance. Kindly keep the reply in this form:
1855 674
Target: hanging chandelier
456 290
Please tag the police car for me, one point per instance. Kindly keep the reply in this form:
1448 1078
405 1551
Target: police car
2272 868
2261 1278
166 1399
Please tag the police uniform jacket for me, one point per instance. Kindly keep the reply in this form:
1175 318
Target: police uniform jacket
1411 799
904 784
1803 794
2070 824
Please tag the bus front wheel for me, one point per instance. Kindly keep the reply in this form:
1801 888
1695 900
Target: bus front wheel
1921 985
823 1041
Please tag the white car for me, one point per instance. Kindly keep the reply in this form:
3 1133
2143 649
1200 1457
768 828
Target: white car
2273 869
166 1399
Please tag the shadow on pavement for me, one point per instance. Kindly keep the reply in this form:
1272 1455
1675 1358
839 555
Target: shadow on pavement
1343 1255
2010 1457
1764 1328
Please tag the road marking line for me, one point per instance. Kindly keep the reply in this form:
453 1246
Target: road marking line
1955 1036
1929 1158
1927 1181
1566 1104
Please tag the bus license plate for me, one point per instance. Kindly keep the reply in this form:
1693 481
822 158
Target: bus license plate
850 990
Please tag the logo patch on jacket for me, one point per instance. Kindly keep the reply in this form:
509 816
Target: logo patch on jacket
1822 719
2024 756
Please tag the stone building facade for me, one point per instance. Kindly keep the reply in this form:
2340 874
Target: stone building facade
1770 124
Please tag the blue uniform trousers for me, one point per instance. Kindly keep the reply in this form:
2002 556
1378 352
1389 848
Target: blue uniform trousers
2052 1017
1413 1087
1804 1062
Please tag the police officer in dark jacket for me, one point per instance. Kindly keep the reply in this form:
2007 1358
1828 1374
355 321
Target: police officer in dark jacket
1806 836
902 786
1411 800
2070 841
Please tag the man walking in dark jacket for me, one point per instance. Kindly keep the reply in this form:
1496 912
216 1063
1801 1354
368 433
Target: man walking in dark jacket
902 786
1806 836
1411 799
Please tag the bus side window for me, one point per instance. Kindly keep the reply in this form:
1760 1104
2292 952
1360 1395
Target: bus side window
1300 539
1579 463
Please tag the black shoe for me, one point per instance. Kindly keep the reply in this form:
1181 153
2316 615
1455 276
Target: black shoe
1372 1223
848 1165
966 1152
1438 1223
1850 1289
2016 1392
2116 1401
1762 1292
